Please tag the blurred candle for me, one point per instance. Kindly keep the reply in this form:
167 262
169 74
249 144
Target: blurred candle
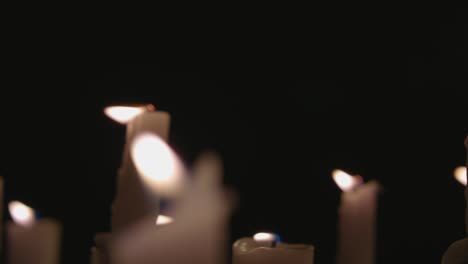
457 253
1 216
266 248
198 234
131 202
30 241
466 188
357 217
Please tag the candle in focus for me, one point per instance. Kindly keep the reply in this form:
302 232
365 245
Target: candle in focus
30 241
357 217
266 248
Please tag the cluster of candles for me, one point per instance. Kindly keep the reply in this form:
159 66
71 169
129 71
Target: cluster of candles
193 228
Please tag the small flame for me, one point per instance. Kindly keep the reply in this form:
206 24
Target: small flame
164 220
124 114
21 213
157 164
460 174
345 181
264 237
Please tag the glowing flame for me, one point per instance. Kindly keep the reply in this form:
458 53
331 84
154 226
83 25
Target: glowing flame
460 174
21 213
124 114
264 237
345 181
164 220
157 164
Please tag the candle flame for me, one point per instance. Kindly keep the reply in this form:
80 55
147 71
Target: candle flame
345 181
21 213
164 220
157 164
124 114
460 175
264 237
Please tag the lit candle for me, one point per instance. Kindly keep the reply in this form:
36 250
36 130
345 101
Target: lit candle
357 217
131 202
266 248
198 234
1 216
30 241
457 253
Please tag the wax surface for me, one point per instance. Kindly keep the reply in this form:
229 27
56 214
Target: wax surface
247 251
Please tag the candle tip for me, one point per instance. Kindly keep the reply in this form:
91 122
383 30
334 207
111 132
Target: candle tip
460 174
345 181
125 113
21 213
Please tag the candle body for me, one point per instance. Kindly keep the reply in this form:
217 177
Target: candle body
457 253
247 251
1 217
198 234
466 188
357 224
132 202
38 244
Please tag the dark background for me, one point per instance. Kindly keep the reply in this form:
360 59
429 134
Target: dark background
382 94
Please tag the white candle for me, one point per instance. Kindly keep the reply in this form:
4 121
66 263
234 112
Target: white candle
30 241
466 187
457 253
265 248
357 217
131 202
1 216
198 234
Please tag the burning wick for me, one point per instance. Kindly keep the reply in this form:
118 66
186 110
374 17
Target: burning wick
267 239
21 213
460 174
345 181
125 113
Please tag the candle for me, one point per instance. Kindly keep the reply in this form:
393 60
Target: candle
199 232
131 202
457 253
1 216
357 216
265 248
30 241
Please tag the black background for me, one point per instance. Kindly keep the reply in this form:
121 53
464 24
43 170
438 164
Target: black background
283 101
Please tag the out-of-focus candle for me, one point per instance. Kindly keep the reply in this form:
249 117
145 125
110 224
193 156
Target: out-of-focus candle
357 217
466 187
30 241
131 202
265 248
457 253
1 216
198 234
